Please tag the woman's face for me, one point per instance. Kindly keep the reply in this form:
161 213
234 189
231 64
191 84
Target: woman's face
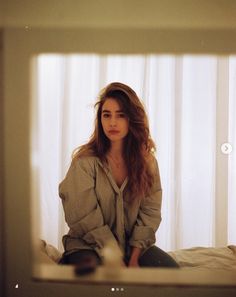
114 121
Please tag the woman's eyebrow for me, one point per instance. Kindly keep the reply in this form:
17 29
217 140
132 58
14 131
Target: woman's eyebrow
108 111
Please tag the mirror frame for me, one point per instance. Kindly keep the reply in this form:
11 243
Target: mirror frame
20 46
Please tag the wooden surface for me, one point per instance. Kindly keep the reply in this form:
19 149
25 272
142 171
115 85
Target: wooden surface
137 276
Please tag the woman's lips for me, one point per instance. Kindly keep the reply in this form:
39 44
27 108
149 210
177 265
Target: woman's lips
113 132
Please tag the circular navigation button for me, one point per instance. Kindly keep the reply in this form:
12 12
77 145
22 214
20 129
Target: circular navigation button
226 148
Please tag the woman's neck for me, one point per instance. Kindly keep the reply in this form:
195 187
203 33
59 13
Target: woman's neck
116 149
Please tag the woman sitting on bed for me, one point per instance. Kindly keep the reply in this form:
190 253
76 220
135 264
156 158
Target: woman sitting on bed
112 191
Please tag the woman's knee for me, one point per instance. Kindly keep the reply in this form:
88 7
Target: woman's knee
155 257
81 256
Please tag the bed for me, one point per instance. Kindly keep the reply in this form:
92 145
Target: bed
206 258
196 258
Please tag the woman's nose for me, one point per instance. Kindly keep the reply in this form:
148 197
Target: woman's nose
113 122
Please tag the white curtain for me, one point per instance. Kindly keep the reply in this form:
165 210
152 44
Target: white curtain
191 103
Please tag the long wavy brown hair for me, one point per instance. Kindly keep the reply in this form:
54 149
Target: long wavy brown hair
139 148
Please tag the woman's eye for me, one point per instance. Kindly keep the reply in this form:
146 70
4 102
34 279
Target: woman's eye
121 115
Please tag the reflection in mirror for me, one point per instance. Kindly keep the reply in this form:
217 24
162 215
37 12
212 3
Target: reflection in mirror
191 104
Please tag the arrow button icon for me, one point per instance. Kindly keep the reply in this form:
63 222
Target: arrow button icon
226 148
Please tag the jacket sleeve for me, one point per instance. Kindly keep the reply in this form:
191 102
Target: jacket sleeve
82 211
149 216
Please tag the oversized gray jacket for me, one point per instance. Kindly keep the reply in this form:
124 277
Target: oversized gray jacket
96 209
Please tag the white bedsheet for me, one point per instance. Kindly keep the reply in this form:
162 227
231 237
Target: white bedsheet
205 258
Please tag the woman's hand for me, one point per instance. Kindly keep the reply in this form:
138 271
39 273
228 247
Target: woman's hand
133 262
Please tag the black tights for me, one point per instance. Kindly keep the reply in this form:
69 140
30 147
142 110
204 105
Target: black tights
152 257
155 257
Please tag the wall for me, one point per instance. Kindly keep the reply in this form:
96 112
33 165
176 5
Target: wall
1 13
206 14
2 243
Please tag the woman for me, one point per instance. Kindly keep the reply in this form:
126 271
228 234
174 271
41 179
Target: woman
112 191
